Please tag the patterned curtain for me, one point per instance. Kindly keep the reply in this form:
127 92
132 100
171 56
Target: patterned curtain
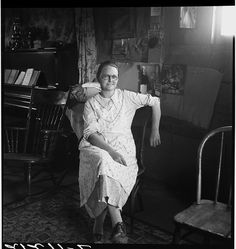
85 36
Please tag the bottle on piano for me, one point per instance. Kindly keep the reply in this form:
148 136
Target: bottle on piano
143 80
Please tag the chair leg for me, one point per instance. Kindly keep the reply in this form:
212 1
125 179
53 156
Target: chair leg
132 206
177 234
29 180
140 201
131 215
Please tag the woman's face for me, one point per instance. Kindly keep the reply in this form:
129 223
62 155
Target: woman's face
108 78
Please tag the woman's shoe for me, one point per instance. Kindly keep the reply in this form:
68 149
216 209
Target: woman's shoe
97 238
119 235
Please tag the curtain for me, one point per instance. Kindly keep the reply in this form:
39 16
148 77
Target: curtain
86 45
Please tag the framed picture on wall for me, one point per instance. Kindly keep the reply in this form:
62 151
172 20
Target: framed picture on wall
173 78
121 23
188 17
120 49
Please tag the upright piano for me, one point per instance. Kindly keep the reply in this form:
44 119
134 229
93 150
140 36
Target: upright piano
59 70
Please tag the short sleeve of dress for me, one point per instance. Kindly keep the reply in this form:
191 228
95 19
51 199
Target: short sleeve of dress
90 121
138 100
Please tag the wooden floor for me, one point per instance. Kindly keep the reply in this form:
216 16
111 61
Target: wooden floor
160 203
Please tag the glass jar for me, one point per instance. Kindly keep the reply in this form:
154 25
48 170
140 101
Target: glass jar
16 41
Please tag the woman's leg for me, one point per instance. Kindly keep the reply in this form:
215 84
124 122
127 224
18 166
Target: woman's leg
99 221
115 215
118 234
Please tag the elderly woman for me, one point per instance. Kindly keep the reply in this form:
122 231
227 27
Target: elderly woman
108 165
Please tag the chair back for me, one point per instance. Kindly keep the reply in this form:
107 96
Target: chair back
14 139
220 144
139 129
45 119
50 107
48 114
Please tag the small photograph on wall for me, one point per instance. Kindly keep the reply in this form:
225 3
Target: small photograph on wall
173 78
130 49
120 49
188 17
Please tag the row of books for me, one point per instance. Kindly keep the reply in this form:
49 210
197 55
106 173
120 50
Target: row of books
25 78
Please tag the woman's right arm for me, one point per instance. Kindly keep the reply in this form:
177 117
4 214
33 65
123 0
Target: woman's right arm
97 139
91 133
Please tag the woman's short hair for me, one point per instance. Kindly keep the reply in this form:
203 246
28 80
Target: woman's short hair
105 64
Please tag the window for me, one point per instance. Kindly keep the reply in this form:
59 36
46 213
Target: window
228 27
223 24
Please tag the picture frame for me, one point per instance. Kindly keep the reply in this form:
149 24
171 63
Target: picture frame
121 23
188 17
173 78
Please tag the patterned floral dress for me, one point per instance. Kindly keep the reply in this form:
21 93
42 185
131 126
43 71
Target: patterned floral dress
101 179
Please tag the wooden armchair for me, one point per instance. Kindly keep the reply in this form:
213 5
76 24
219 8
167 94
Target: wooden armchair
33 149
139 130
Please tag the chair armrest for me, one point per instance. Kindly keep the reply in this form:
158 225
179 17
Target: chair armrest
51 131
141 168
68 133
64 132
140 172
50 134
46 134
16 128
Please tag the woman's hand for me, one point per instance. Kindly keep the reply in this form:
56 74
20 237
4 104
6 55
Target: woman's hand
156 115
155 137
98 140
116 156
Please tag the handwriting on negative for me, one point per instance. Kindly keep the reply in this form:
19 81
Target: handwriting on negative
44 245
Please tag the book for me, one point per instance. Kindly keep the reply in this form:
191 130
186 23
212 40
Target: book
34 78
16 76
7 72
13 75
28 75
20 78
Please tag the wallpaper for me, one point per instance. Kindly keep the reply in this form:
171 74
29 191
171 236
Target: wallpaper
87 28
58 22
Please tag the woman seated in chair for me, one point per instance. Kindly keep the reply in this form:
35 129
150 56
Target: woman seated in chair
108 166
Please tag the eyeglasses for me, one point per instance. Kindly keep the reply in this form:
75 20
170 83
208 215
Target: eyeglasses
107 77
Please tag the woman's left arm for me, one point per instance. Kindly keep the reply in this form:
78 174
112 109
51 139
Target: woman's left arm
156 115
137 100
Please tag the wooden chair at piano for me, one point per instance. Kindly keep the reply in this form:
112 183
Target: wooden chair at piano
211 216
33 150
